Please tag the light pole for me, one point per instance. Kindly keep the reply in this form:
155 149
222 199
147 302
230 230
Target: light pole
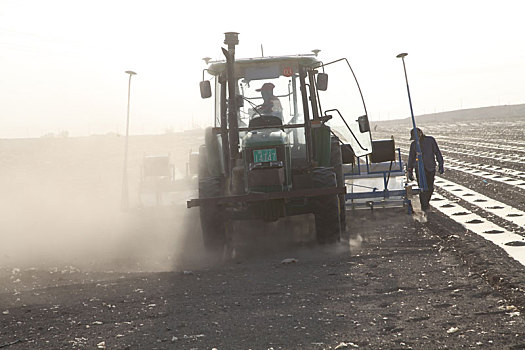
125 198
419 155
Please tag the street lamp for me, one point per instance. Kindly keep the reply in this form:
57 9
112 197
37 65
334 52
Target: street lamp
422 179
125 197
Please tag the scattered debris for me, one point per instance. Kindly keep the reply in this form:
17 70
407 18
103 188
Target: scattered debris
452 330
344 345
289 261
11 343
507 308
101 345
196 336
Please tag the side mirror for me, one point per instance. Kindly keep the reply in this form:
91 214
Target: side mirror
364 125
205 87
322 81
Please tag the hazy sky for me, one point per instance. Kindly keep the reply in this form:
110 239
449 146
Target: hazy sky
62 63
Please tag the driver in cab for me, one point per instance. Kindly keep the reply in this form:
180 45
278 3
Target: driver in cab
271 104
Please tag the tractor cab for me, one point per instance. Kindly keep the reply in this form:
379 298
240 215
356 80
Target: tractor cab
268 95
281 93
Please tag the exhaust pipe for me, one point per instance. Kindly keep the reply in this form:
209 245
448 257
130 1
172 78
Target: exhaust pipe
231 39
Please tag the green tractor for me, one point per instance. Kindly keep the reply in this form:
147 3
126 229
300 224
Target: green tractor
271 153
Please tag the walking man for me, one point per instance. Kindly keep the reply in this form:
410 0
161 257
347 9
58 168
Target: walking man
431 153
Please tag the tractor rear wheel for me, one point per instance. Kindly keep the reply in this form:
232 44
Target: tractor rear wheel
211 215
326 208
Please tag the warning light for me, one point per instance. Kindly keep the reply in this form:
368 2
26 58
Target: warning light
287 71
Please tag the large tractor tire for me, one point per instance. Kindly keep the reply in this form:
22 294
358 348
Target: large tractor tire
211 215
336 161
326 208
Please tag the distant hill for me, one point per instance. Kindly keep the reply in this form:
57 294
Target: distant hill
462 115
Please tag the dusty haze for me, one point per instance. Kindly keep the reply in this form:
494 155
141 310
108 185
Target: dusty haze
60 205
61 72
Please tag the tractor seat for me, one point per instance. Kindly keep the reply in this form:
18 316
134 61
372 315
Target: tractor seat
266 121
383 151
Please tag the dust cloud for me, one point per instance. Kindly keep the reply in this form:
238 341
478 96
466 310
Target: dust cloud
60 205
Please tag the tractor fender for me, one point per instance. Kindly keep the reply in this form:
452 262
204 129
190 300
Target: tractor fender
213 152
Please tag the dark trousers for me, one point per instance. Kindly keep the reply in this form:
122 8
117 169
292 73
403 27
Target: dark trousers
424 197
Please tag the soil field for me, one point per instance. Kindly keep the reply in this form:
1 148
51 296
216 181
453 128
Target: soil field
76 272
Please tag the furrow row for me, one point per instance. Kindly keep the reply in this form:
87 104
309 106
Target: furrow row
501 147
513 244
512 158
508 180
490 205
495 177
488 168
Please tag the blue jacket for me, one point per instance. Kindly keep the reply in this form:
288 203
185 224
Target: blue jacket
430 151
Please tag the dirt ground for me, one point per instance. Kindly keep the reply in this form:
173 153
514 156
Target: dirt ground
78 273
405 285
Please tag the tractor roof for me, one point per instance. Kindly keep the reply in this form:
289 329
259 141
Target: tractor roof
246 66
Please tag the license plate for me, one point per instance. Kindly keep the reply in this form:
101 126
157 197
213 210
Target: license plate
264 155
